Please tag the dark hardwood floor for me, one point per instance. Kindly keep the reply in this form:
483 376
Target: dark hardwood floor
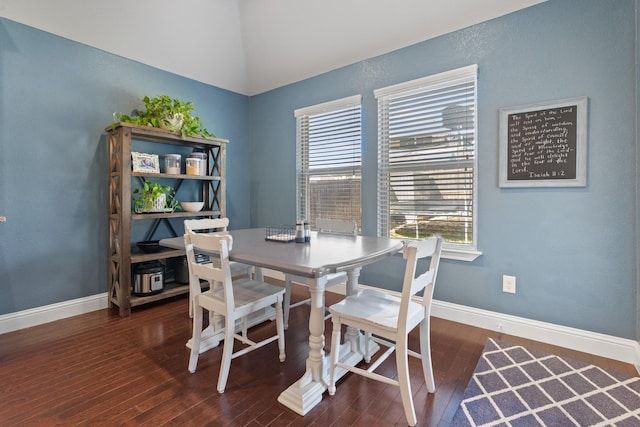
100 369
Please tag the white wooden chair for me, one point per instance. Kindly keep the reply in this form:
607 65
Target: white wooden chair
217 225
234 299
388 319
329 226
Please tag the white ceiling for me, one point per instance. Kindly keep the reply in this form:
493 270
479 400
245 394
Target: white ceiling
252 46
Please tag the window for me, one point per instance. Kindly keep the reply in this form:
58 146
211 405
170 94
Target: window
328 161
427 160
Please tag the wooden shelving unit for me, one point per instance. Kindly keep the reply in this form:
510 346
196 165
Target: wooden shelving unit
120 255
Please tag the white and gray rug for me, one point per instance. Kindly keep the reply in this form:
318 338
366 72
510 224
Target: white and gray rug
515 386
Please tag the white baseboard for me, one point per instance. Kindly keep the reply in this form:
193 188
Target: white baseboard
49 313
602 345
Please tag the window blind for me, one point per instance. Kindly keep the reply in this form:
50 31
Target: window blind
328 161
426 155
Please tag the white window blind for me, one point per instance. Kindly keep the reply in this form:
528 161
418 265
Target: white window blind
427 158
328 161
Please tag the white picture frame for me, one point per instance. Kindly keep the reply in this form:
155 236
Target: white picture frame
544 144
146 163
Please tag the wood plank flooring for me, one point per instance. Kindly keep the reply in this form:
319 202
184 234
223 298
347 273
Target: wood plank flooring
102 370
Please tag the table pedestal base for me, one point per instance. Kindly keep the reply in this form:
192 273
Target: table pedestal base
306 393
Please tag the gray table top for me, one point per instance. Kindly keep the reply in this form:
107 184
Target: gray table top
325 254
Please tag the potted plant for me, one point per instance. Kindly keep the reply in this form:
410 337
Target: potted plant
166 113
154 197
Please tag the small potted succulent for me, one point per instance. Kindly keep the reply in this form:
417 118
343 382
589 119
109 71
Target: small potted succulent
154 197
166 113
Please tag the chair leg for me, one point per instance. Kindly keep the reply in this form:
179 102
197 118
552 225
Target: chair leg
195 336
280 330
335 354
287 301
227 353
243 322
367 341
425 351
404 381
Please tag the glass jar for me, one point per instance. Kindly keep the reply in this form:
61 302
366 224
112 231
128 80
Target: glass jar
193 166
172 164
203 164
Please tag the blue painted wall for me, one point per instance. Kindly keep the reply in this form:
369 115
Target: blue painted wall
57 96
573 251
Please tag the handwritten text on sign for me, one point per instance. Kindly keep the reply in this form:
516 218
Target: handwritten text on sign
542 144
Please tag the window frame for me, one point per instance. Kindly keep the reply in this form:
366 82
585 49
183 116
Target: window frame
457 251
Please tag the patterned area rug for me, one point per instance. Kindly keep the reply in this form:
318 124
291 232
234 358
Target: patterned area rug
514 386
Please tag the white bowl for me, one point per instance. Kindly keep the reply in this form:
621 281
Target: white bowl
192 206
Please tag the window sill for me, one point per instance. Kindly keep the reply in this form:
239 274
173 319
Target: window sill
460 254
457 252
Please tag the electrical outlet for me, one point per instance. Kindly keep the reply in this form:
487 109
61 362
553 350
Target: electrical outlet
3 219
509 284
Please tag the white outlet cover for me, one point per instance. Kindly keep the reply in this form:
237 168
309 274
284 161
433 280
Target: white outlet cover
509 284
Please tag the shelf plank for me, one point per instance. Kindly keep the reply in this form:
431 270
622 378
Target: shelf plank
137 258
148 133
180 214
181 176
171 289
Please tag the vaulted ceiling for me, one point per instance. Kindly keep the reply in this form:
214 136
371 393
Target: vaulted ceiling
252 46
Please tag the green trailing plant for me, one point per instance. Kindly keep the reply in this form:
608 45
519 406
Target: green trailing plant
143 198
166 113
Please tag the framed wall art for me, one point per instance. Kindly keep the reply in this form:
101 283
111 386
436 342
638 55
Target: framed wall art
143 162
544 144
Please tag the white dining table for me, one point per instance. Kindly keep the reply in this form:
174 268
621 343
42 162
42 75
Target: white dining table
311 262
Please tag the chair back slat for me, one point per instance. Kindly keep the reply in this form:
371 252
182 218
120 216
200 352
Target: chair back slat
208 272
335 226
206 224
